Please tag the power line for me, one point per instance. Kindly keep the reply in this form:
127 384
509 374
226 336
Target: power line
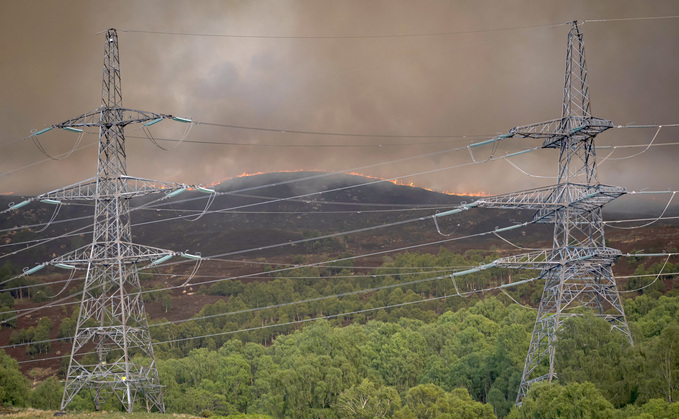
402 35
9 172
405 35
323 145
329 133
150 205
628 19
458 294
305 301
492 158
52 305
308 265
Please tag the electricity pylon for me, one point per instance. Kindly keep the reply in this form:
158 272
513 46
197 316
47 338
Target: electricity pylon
112 328
577 269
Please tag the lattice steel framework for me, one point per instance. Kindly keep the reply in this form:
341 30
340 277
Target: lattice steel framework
112 321
112 327
577 270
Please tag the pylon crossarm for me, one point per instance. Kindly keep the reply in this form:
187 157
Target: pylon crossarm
547 200
135 186
123 118
86 190
533 260
540 130
79 191
529 199
100 253
582 199
548 258
585 197
554 130
594 255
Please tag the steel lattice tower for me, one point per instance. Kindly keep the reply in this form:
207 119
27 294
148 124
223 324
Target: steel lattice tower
577 269
112 326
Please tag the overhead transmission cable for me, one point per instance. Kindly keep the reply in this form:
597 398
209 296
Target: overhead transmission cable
52 305
150 205
366 36
650 222
397 35
287 269
501 287
279 305
492 158
328 174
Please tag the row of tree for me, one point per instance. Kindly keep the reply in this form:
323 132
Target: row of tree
462 364
449 357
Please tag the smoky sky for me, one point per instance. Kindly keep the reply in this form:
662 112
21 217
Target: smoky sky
478 83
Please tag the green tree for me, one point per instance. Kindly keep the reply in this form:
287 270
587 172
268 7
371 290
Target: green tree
47 395
166 302
233 379
574 400
654 408
366 401
14 387
588 350
430 401
663 363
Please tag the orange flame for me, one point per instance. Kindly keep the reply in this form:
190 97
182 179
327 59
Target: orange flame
394 181
246 174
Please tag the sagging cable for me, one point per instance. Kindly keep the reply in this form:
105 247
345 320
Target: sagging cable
70 277
650 222
499 230
654 281
650 144
209 202
198 260
512 298
54 214
63 155
457 291
506 158
148 134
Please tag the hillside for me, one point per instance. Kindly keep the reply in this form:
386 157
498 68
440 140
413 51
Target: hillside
263 221
266 233
262 210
